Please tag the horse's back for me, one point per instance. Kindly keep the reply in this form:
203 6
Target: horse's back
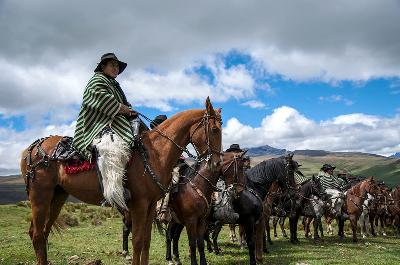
248 205
29 154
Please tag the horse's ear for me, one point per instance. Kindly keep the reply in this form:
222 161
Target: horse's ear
243 153
209 107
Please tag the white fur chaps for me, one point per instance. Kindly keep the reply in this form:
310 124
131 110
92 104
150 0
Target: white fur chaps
114 154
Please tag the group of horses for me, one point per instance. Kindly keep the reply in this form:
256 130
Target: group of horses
266 189
364 202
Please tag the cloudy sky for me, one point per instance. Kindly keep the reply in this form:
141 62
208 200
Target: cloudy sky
290 74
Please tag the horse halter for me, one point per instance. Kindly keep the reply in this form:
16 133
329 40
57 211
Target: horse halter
205 121
235 165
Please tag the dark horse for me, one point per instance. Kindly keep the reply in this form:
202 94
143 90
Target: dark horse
191 205
250 194
148 176
307 190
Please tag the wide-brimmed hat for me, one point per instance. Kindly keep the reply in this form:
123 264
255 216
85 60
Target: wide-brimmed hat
107 56
326 167
157 120
234 148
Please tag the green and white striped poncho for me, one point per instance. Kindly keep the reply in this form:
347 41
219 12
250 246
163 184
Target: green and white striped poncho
300 179
330 181
100 106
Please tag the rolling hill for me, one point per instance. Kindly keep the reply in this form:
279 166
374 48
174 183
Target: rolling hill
383 168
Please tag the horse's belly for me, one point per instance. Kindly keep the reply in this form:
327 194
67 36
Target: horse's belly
83 186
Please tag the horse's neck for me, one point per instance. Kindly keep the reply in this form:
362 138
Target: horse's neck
358 191
305 190
205 182
162 149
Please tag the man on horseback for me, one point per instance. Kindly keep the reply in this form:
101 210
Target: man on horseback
328 179
108 125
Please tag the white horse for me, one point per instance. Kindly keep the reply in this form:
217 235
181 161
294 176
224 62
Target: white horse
334 209
364 217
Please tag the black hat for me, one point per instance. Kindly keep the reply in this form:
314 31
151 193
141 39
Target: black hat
234 148
326 167
110 55
157 121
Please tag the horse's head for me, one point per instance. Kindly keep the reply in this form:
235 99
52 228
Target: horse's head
292 167
317 189
206 136
369 185
232 169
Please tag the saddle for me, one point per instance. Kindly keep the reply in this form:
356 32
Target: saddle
223 206
74 162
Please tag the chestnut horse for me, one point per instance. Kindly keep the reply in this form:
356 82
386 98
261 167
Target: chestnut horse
355 197
191 206
147 177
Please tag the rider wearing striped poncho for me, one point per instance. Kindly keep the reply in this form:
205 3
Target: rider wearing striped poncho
329 180
107 122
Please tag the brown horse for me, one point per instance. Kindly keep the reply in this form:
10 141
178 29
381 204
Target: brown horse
191 206
355 197
269 200
394 207
49 185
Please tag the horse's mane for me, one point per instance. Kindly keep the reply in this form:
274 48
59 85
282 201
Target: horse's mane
167 123
266 171
356 188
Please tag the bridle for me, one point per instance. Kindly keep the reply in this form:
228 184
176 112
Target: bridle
205 121
206 156
235 164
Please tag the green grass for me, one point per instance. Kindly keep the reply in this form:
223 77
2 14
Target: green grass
103 242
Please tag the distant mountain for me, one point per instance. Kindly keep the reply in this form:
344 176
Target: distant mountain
265 150
396 155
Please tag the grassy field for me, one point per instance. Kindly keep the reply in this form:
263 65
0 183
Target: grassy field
95 234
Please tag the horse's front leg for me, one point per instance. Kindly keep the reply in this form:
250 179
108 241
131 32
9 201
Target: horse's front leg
217 229
250 240
282 226
126 229
353 222
141 231
175 242
191 229
201 229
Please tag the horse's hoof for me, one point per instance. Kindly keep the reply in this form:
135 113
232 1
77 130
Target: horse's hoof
210 250
265 250
270 242
170 262
124 253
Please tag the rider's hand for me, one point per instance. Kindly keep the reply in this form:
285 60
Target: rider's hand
125 110
133 114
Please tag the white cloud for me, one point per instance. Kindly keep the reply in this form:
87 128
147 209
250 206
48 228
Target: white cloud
254 104
12 143
337 98
287 128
